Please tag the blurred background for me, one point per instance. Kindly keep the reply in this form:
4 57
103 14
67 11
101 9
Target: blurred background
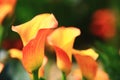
98 20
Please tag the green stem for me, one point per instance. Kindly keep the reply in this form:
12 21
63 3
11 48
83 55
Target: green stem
42 79
63 76
35 75
84 78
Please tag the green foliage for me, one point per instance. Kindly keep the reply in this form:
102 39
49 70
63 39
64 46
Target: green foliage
109 57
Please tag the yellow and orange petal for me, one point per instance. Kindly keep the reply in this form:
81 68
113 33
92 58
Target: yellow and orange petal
33 52
64 38
16 53
63 61
1 67
87 65
101 75
6 7
88 52
28 30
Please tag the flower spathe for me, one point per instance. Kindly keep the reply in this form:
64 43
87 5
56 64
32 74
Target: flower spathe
28 30
64 38
63 61
87 65
33 52
6 7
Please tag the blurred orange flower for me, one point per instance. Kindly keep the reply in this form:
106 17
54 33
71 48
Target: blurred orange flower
6 7
62 40
104 24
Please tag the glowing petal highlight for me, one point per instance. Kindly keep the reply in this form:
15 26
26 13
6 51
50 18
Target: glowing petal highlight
28 30
33 52
64 38
88 52
15 53
63 61
1 67
87 65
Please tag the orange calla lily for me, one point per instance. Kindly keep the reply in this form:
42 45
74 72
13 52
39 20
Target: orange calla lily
87 65
33 52
6 7
28 30
64 39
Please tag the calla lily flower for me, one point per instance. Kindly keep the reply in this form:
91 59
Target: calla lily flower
62 40
6 7
1 67
28 30
87 64
33 52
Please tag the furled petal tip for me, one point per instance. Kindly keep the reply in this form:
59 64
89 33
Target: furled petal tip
63 37
63 61
28 30
88 52
87 65
33 52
